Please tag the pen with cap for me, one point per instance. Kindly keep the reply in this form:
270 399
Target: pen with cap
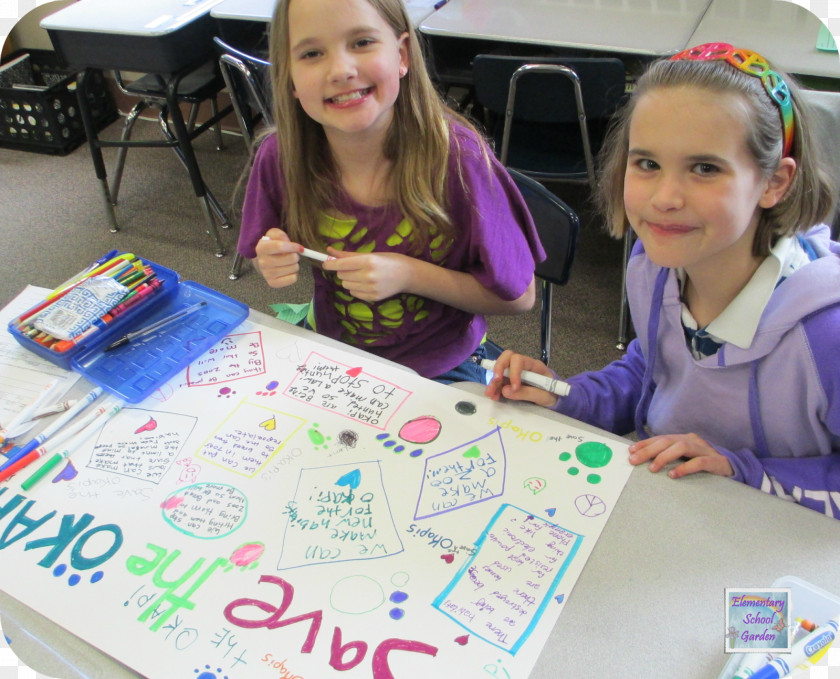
157 325
53 428
24 415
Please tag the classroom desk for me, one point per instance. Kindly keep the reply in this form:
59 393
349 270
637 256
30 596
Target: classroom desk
263 10
783 32
164 38
643 27
650 600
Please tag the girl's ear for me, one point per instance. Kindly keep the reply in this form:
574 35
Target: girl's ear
402 45
779 183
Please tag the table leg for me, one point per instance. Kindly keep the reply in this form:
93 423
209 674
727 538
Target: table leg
93 144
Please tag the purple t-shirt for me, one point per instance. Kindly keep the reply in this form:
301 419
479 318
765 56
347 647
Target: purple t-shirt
496 242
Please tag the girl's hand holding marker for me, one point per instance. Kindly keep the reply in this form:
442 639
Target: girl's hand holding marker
521 378
278 258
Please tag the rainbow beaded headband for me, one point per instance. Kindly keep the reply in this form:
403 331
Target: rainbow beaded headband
751 63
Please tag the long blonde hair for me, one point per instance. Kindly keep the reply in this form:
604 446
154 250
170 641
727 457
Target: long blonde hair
810 197
417 143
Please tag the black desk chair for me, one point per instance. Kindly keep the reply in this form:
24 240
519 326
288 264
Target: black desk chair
548 116
248 80
165 93
558 227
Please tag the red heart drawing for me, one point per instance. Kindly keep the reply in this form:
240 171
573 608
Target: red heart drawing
462 640
354 372
449 558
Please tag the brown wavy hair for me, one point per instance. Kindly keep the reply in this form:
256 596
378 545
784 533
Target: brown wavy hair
809 199
417 143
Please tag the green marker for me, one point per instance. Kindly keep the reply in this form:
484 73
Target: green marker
74 443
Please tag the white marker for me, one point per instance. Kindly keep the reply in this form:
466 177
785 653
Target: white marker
311 254
317 256
551 384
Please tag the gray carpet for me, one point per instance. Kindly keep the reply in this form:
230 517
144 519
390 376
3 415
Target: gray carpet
53 223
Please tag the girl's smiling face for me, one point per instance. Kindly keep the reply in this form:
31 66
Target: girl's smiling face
346 65
692 190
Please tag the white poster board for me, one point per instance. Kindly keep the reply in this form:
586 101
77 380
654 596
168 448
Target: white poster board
284 509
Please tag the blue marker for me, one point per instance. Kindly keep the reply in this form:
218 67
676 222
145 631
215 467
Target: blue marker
807 651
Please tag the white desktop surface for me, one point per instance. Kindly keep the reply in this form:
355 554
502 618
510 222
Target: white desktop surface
263 10
650 601
782 31
244 10
647 27
148 18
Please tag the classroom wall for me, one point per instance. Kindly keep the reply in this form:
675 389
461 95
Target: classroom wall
27 31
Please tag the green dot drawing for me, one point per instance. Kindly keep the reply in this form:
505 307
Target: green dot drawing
593 454
565 456
574 471
594 478
317 438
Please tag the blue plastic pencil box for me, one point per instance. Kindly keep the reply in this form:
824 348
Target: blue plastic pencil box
133 371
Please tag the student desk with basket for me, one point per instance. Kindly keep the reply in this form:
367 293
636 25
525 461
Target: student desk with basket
164 39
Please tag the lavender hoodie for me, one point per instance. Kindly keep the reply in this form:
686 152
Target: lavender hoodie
773 409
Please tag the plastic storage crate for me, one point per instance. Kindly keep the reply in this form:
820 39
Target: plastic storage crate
38 106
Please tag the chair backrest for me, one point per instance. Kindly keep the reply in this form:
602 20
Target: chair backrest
553 111
558 227
542 98
557 224
248 80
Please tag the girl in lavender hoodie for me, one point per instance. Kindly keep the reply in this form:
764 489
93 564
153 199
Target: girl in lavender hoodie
734 283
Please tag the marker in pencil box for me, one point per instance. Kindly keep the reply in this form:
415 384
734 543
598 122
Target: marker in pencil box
81 276
752 662
106 269
65 345
804 653
551 384
99 262
136 296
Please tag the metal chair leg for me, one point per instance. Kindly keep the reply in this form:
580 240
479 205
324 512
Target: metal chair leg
109 205
193 117
545 323
624 312
214 109
128 127
236 269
